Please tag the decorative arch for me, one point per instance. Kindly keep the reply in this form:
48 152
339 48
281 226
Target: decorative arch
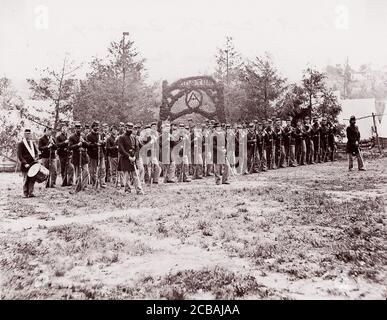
193 89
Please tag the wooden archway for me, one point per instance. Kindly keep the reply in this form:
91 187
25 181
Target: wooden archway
193 89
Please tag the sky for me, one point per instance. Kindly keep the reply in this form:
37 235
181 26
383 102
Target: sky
178 38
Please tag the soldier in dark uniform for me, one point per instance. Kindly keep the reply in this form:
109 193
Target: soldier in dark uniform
316 141
251 148
79 159
353 145
95 150
261 134
127 147
112 154
300 143
105 135
64 154
47 148
166 147
120 174
290 144
331 140
197 152
279 144
309 154
27 153
139 144
183 147
269 144
324 139
219 156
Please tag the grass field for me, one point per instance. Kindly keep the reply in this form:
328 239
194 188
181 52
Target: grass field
297 233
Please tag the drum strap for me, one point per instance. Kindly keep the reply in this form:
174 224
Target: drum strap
30 147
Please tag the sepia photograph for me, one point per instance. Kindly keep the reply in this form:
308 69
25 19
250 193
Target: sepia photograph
198 150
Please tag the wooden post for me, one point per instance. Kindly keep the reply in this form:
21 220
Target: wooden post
376 133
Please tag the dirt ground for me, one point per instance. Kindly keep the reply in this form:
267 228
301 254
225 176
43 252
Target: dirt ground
313 232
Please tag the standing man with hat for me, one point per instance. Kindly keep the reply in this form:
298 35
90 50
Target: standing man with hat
219 156
127 148
353 145
66 168
47 148
279 144
324 139
112 154
97 158
27 153
309 154
104 136
80 160
269 144
316 140
251 149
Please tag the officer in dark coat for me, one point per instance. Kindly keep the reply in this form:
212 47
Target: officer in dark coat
96 151
127 149
79 159
66 167
112 153
219 156
353 136
316 140
27 153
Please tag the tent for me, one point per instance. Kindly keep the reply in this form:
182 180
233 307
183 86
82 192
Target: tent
364 108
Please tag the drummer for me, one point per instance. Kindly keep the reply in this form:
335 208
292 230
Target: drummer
27 153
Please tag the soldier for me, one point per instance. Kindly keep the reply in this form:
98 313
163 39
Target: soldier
139 159
316 141
79 159
184 148
324 139
353 145
105 135
308 141
196 152
166 147
290 144
207 132
96 154
128 147
231 147
112 154
261 149
152 164
269 144
279 144
251 149
300 143
47 148
121 128
331 140
27 153
86 131
64 154
219 156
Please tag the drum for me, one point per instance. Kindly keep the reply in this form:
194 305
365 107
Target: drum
39 172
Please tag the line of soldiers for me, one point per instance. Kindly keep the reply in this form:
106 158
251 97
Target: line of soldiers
129 154
270 145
